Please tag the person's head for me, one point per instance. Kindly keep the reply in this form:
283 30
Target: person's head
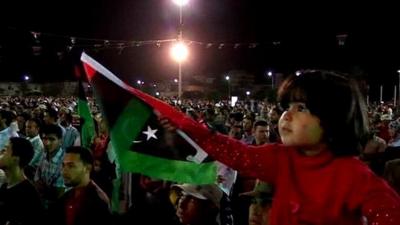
66 119
21 119
261 132
236 130
52 137
235 117
209 114
18 152
247 124
274 114
32 127
260 203
394 128
77 165
50 116
6 118
37 113
322 108
198 204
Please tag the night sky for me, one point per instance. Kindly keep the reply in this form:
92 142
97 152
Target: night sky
306 37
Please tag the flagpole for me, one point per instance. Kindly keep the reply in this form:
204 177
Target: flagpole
380 94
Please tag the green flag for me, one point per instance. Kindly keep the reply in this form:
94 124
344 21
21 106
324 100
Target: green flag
87 127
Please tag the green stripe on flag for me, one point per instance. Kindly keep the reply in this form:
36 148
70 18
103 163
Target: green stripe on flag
88 128
128 126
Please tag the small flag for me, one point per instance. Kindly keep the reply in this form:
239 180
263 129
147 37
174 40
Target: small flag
87 127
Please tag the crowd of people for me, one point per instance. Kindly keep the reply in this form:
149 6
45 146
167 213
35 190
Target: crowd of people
308 159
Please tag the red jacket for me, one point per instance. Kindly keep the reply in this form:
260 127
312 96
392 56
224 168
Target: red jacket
318 190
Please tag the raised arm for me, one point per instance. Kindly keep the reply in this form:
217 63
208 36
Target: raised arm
258 162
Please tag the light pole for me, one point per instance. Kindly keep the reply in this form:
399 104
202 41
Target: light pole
272 79
398 105
183 48
227 78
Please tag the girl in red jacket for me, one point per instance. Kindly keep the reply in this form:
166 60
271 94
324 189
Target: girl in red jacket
316 173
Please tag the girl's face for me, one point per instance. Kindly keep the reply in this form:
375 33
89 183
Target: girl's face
298 127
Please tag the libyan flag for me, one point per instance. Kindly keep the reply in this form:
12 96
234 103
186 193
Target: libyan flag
140 143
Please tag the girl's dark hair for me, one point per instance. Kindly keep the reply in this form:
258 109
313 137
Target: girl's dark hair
337 101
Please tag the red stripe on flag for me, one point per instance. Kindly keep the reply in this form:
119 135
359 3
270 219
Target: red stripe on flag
77 72
90 71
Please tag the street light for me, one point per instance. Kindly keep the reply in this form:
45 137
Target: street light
180 48
179 52
180 2
247 93
227 78
272 79
26 78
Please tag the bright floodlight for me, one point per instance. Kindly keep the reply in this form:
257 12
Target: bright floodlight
398 71
247 92
139 82
298 73
227 78
158 93
269 73
180 2
26 77
176 80
179 52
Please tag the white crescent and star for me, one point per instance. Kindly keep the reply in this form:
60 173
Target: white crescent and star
150 134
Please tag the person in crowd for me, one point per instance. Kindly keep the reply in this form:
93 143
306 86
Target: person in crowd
273 115
260 203
198 204
392 174
20 203
48 177
6 118
21 121
71 136
319 143
32 129
50 116
84 202
260 133
392 152
150 197
394 133
248 137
